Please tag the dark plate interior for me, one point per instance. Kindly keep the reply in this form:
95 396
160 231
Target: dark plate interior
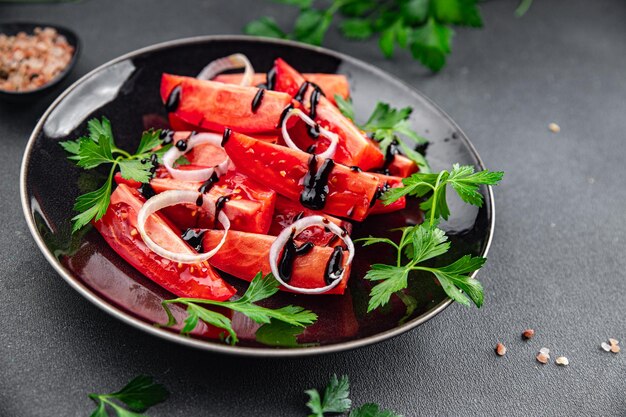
126 90
13 28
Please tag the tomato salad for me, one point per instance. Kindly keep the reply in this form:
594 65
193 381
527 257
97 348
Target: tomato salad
265 174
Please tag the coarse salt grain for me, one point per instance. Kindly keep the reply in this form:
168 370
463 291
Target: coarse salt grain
615 349
543 358
613 342
562 360
528 334
554 128
500 349
605 346
545 351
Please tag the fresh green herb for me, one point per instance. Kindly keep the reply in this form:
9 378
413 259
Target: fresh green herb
419 244
260 288
372 410
279 333
461 178
138 395
99 148
385 125
424 27
335 399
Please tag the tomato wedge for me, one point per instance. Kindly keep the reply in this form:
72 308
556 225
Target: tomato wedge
401 166
250 207
214 105
354 147
243 255
385 182
330 84
287 211
119 228
283 170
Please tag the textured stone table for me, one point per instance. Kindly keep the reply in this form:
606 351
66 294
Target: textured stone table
557 263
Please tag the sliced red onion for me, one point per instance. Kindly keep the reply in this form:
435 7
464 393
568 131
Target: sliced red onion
332 137
172 198
198 175
231 62
296 228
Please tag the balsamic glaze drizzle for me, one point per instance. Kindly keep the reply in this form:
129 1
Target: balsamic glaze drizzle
281 119
226 136
173 100
219 205
314 131
194 238
257 100
166 136
181 145
208 184
146 190
311 149
290 252
334 266
301 91
199 201
315 98
316 189
379 192
355 168
298 216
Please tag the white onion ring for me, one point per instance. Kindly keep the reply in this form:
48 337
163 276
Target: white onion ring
198 175
296 228
332 137
172 198
230 62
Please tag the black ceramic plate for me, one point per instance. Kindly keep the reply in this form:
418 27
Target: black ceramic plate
126 90
14 28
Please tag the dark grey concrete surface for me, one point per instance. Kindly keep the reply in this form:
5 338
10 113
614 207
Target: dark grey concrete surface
557 263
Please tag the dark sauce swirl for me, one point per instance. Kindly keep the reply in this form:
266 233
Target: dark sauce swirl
334 267
281 119
166 136
301 91
173 100
226 136
219 205
208 184
257 100
314 100
316 189
194 238
379 192
288 256
147 191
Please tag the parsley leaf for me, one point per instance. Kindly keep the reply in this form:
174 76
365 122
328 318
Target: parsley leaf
99 148
385 125
372 410
260 289
335 398
461 178
422 26
279 333
139 394
418 244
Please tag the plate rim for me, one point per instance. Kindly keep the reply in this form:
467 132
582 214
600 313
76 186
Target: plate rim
127 318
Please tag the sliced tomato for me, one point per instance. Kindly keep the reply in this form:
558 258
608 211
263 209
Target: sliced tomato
387 181
287 211
283 169
214 105
119 228
250 207
243 255
401 166
330 84
354 148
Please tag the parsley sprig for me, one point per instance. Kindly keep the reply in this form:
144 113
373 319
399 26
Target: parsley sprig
260 288
426 241
385 125
424 27
138 395
99 148
336 400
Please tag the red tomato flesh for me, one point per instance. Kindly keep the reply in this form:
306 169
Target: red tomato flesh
119 228
282 169
287 211
392 182
401 166
214 105
243 255
330 84
354 147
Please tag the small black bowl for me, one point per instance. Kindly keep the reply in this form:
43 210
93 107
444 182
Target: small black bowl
14 28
